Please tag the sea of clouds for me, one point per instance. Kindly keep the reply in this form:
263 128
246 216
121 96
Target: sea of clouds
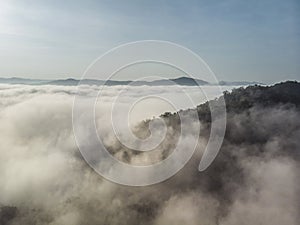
45 180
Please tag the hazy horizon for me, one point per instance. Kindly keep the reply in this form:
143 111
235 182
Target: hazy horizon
252 41
151 79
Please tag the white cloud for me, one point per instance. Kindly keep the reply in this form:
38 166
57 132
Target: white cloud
44 176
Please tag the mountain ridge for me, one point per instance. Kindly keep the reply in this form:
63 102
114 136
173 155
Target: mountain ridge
183 81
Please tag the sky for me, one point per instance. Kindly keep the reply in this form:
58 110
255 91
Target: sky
255 40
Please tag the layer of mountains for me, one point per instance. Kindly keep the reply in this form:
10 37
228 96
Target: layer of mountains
184 81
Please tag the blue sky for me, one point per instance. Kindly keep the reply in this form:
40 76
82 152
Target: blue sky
240 40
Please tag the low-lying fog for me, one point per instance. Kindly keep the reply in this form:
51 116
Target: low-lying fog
44 180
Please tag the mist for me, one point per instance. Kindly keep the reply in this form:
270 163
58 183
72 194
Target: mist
45 180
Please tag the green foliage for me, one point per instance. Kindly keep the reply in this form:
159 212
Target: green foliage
241 99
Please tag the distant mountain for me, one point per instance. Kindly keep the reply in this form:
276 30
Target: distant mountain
187 81
183 81
74 82
239 83
66 82
17 80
